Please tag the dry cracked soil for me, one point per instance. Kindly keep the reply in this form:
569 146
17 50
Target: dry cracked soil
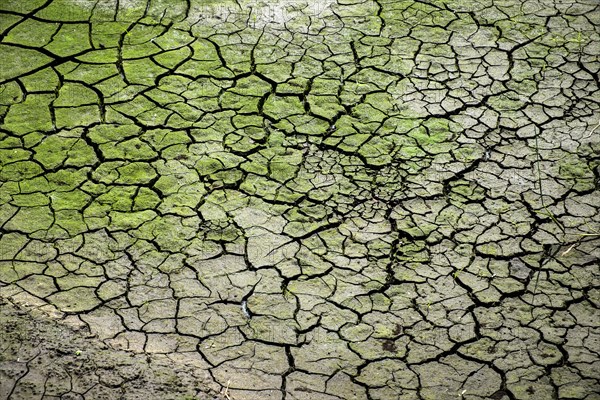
341 199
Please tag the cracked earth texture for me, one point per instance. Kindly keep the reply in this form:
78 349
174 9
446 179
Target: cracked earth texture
327 200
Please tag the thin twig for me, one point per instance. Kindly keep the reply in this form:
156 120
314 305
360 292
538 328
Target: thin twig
226 391
592 131
539 160
564 253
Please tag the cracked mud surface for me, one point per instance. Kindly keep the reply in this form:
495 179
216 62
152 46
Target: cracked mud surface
335 200
42 359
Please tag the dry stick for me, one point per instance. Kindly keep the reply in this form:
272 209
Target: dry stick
548 212
592 131
581 236
564 253
226 392
537 152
